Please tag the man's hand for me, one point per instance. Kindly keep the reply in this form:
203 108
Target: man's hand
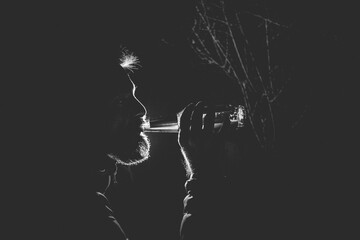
201 145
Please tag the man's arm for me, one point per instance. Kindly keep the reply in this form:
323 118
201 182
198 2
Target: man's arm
205 209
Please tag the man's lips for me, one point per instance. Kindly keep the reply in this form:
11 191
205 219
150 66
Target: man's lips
137 125
135 129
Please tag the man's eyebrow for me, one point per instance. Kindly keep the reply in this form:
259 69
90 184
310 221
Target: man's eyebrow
129 62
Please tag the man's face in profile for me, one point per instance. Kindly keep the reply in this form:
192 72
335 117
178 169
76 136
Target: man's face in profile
125 140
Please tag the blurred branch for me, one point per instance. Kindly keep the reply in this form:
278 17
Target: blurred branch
219 38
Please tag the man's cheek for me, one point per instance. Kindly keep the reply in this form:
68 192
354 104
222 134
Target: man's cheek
117 125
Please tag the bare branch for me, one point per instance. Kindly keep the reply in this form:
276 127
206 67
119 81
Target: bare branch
219 38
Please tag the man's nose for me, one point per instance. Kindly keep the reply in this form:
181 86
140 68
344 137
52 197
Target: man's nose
139 109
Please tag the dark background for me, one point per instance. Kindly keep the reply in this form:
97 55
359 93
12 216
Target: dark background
305 187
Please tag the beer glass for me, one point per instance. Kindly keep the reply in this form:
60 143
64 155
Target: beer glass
169 124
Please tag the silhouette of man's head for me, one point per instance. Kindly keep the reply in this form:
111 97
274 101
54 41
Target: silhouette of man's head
110 116
124 117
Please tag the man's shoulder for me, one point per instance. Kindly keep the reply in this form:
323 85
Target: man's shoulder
96 218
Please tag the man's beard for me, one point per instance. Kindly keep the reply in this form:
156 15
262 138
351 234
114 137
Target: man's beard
131 148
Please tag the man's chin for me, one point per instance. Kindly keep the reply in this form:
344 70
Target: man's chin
139 154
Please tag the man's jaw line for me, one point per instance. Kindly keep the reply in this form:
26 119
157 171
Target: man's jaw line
139 155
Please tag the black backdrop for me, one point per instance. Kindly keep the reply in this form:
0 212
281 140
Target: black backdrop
307 187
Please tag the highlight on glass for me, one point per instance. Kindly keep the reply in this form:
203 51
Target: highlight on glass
169 124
